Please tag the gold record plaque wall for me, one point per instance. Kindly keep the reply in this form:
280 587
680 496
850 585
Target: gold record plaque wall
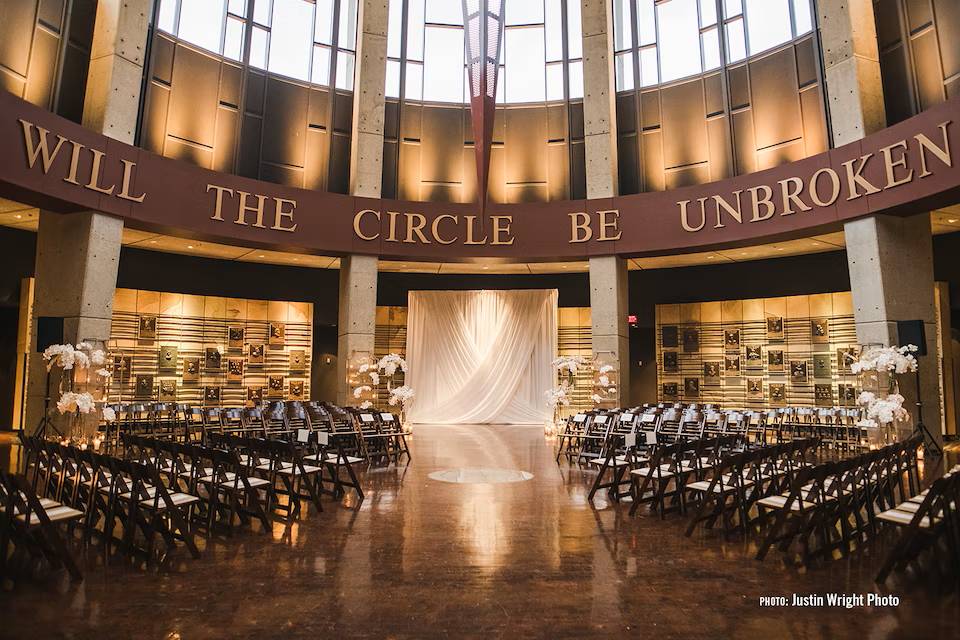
758 353
209 350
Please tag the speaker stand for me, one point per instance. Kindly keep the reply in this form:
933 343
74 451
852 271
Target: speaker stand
930 445
45 421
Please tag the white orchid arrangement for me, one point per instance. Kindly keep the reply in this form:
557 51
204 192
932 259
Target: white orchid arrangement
890 359
389 364
71 402
558 396
881 410
362 389
569 364
70 357
401 395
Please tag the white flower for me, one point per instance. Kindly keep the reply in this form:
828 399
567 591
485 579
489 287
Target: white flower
359 391
109 415
402 395
389 364
375 377
612 390
604 381
104 373
879 410
364 368
607 368
569 364
71 401
597 398
558 395
366 404
892 359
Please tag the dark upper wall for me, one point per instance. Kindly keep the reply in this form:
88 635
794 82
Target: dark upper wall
681 133
224 116
34 53
537 155
919 42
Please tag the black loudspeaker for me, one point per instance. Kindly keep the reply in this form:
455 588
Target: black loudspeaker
912 332
49 332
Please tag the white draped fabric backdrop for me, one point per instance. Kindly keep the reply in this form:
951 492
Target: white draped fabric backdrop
481 357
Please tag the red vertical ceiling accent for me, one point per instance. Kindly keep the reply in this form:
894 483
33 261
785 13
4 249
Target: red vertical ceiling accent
483 32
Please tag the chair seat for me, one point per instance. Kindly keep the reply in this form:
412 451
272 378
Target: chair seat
649 471
333 458
178 499
705 485
618 461
58 513
897 516
779 502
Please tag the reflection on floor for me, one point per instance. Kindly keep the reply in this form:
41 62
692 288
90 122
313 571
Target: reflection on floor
423 558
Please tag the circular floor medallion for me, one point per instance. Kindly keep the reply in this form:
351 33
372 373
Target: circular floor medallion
481 475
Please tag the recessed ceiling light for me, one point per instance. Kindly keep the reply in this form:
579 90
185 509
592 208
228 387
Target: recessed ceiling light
485 267
189 246
18 216
779 248
951 220
563 267
709 257
153 242
743 253
260 256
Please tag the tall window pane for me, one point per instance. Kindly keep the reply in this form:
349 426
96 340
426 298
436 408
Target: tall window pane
201 22
649 74
768 23
414 85
574 34
622 28
323 30
261 12
321 65
393 78
555 81
290 38
443 65
347 37
414 30
623 68
736 45
395 28
167 16
523 12
576 80
345 70
554 30
525 66
646 22
258 48
708 13
233 42
680 50
711 49
801 13
444 11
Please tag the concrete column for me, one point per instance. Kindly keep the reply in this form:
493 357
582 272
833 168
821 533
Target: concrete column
851 64
115 78
76 274
358 274
608 274
356 326
891 276
608 312
599 99
366 157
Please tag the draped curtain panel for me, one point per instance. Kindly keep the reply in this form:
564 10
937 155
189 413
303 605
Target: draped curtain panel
481 357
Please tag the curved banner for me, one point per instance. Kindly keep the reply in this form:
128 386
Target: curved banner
56 164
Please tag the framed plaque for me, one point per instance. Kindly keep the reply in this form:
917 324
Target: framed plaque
821 365
670 390
235 369
731 364
670 364
691 387
255 353
191 369
669 337
755 388
275 386
798 371
168 391
296 389
298 360
235 337
167 360
122 367
847 395
823 395
731 339
774 328
143 387
278 333
820 330
254 395
148 328
711 372
211 359
691 340
845 358
775 360
754 355
778 393
211 395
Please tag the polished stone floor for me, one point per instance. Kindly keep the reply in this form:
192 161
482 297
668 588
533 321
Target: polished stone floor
422 558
